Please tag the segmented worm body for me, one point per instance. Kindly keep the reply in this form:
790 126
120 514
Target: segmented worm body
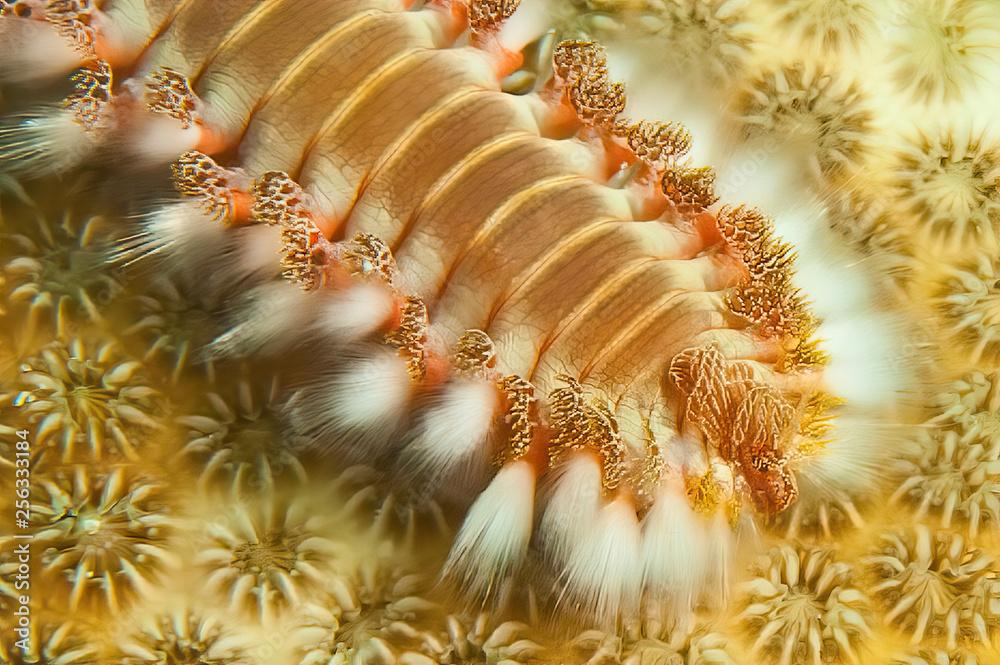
535 288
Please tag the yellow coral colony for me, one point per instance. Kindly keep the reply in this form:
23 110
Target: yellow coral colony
500 331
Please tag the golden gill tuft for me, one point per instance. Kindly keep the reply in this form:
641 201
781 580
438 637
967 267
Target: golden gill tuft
581 426
656 143
690 189
410 337
303 252
520 396
367 256
474 353
74 21
275 196
168 92
92 94
487 15
197 176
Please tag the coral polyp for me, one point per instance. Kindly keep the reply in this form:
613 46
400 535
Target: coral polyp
88 400
265 555
240 441
712 34
166 327
936 585
184 636
804 608
54 272
968 300
828 113
955 479
937 657
971 407
828 25
102 537
957 470
950 182
50 643
697 648
415 630
941 49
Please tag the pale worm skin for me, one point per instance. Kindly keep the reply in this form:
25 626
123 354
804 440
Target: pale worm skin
493 225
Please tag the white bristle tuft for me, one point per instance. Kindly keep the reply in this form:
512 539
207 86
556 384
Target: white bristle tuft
674 549
493 540
870 362
259 245
157 139
718 561
42 142
179 235
858 457
34 51
207 258
526 25
356 409
572 500
450 436
355 312
603 573
243 258
269 321
278 315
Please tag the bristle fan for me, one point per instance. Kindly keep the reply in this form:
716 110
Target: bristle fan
356 408
493 540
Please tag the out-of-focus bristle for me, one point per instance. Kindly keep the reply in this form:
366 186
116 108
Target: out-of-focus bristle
33 51
602 576
177 234
269 320
673 551
493 540
49 141
355 408
43 142
942 49
451 434
355 313
570 504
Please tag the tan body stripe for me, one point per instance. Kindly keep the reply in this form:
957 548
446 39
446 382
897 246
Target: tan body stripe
462 168
371 81
591 299
631 328
449 222
519 237
524 198
380 112
537 268
400 186
142 21
256 58
190 39
277 139
317 48
641 368
577 274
